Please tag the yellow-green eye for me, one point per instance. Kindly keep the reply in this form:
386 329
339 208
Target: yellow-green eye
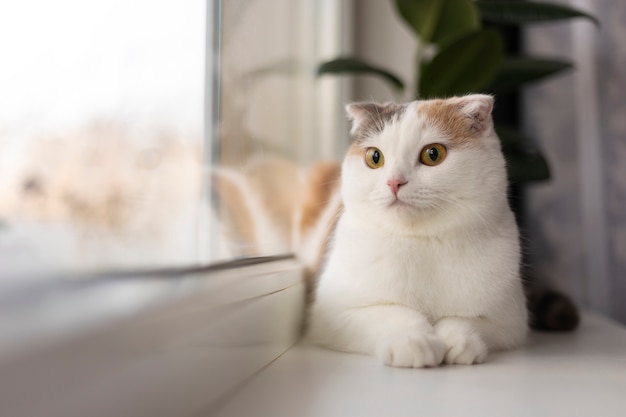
433 154
374 158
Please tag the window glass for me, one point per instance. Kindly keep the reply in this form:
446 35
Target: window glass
276 117
101 134
158 133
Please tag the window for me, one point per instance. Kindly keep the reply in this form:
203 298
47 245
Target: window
141 144
124 145
101 134
276 117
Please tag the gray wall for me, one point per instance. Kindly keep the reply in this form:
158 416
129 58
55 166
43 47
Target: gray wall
577 227
382 39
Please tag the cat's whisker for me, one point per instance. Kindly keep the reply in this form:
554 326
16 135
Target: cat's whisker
464 206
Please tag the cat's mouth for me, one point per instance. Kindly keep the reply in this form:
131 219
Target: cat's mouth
407 205
399 203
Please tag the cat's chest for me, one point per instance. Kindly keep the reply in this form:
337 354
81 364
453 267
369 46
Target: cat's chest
398 259
432 274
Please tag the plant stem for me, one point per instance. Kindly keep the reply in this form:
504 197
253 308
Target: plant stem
419 54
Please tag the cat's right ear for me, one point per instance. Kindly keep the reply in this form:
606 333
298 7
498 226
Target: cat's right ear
359 113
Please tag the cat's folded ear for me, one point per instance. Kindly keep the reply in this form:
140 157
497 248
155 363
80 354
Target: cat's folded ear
360 112
478 108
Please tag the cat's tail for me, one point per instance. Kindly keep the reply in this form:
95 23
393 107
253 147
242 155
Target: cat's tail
551 310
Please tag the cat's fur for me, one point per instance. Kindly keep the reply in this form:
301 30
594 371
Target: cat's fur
431 275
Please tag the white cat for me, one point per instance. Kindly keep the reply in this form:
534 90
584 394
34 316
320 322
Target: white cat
423 266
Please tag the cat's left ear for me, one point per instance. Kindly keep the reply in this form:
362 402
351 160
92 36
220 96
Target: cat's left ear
358 113
477 107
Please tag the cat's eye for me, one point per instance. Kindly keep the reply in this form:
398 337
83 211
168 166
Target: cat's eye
433 154
374 158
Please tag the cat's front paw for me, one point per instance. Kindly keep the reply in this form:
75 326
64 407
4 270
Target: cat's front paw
462 346
413 351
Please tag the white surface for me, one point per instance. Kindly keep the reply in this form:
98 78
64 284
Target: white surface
188 341
577 374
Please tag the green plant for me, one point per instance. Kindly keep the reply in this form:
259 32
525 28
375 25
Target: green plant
469 57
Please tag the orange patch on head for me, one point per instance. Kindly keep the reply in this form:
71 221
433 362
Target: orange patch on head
461 119
447 118
356 150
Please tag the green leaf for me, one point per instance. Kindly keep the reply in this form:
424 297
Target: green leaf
347 65
516 71
521 12
524 160
466 65
437 21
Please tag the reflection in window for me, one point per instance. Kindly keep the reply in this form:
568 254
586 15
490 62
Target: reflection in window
276 118
102 142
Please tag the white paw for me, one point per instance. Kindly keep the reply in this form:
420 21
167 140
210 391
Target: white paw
413 351
465 350
462 347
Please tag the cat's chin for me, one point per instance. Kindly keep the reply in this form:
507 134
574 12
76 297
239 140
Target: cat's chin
404 212
405 208
401 216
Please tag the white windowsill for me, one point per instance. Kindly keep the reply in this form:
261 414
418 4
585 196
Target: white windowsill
139 346
218 344
573 374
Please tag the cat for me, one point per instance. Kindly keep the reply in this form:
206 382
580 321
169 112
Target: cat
423 266
117 196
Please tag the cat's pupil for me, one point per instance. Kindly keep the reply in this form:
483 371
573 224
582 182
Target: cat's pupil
375 157
433 154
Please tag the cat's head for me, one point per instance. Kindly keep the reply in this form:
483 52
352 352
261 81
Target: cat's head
423 161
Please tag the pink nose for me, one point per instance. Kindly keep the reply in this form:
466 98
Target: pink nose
395 184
